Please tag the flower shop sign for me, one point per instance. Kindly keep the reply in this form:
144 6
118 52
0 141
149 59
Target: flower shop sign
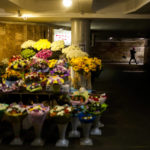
60 34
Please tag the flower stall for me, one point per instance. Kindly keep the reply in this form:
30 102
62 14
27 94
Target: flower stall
64 75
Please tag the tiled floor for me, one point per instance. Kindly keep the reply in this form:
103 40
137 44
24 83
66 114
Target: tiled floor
127 123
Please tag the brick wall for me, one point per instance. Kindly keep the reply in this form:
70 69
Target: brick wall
118 51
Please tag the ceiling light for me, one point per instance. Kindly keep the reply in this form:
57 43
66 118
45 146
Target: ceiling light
26 16
141 38
67 3
110 38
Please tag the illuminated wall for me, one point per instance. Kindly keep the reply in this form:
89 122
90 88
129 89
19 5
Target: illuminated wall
12 35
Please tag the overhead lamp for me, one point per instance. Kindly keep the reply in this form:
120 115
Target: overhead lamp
110 38
26 16
67 3
141 38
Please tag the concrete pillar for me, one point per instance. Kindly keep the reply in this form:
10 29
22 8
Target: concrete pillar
147 53
80 33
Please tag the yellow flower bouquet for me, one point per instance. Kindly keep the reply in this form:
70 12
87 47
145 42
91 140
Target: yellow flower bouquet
42 44
85 64
83 67
11 75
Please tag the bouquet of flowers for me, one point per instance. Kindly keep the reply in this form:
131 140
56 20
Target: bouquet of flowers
19 64
95 108
11 75
98 98
3 107
55 80
16 85
85 115
79 97
44 54
15 57
61 71
16 110
34 87
28 53
16 113
7 88
61 114
37 112
42 44
85 64
28 44
57 45
39 65
32 77
52 63
74 52
3 66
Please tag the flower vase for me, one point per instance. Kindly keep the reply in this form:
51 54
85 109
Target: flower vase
95 130
74 133
100 124
81 80
86 132
37 129
62 142
37 122
16 128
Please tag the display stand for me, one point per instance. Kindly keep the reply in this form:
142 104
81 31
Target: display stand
16 128
100 124
95 130
37 122
37 128
86 131
74 133
62 142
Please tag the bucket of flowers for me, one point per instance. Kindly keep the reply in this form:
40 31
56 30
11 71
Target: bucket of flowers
16 113
37 115
61 115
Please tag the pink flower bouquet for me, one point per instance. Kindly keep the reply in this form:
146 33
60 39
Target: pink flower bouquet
44 54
